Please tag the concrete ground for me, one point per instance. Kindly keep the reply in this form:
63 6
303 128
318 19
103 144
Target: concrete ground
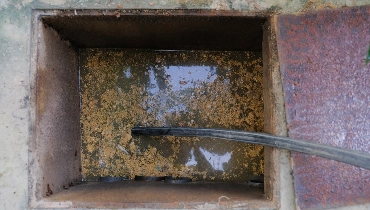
16 127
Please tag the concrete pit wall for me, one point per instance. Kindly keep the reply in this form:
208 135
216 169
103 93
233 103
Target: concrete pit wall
56 154
55 158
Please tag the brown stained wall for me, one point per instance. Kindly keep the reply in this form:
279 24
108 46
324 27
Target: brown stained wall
55 158
327 96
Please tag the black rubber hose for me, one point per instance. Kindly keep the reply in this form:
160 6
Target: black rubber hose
335 153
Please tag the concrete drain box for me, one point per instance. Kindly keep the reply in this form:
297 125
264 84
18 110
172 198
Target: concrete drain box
96 74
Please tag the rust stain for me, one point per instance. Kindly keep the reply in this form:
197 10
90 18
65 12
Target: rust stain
49 191
43 91
327 97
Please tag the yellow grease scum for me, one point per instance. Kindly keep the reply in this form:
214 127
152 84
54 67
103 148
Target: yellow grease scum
209 89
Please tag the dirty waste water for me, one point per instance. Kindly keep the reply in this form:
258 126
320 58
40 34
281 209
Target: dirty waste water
121 89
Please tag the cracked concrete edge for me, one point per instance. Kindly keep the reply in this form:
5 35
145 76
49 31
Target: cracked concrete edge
279 6
32 146
278 178
287 195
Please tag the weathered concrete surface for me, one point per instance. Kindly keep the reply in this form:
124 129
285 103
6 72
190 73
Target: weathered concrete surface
14 104
284 6
278 179
327 97
54 158
15 34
